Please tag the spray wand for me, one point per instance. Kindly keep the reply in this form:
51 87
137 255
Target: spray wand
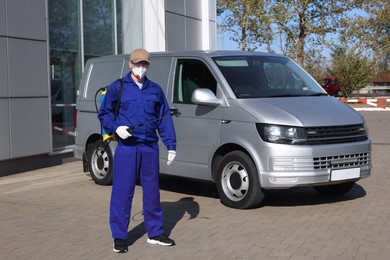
174 113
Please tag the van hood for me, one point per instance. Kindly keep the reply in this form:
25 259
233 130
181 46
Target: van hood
301 111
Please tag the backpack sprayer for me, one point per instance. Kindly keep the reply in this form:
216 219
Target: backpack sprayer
106 135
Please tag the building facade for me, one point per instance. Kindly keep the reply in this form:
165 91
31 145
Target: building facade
44 45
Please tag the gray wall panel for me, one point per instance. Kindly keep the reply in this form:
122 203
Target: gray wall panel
212 10
194 9
175 32
132 25
26 19
28 70
30 128
194 29
3 68
212 33
5 151
3 29
175 6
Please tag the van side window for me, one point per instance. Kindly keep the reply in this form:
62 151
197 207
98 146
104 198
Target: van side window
190 75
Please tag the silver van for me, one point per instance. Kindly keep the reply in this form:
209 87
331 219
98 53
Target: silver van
249 122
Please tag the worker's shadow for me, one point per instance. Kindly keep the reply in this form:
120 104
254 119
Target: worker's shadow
185 208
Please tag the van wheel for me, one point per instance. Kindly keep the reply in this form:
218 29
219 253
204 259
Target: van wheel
335 189
100 163
238 182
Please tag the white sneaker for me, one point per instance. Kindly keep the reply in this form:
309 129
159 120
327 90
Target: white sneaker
161 240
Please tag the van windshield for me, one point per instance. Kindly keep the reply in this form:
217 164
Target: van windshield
263 76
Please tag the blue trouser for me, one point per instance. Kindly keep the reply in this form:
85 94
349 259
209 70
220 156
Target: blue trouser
131 161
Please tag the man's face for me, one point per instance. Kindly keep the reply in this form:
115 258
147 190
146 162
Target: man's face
138 70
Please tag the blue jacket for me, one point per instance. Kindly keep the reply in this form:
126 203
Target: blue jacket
137 107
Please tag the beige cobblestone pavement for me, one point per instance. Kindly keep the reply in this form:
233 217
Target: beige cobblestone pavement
59 213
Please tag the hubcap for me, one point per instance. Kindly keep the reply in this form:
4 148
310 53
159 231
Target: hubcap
100 163
235 181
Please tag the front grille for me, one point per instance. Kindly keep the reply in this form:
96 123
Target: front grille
321 163
342 161
336 134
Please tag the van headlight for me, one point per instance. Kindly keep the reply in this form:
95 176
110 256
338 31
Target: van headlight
282 134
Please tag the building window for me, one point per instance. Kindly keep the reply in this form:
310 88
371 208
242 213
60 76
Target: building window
78 30
99 28
65 68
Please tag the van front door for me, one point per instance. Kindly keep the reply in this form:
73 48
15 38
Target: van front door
198 126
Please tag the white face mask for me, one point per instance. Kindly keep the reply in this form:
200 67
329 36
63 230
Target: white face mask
139 72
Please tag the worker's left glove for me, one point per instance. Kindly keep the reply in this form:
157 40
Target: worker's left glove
171 156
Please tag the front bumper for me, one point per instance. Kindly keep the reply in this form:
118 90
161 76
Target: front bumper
285 180
312 166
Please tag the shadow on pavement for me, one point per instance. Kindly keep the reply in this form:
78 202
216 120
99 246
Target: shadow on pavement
173 212
188 186
308 196
302 196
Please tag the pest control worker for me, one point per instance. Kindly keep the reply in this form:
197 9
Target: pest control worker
137 154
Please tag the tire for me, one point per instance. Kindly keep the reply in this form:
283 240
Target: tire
100 162
335 189
238 182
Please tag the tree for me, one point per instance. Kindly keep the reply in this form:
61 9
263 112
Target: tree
294 24
248 20
316 65
308 21
352 69
370 30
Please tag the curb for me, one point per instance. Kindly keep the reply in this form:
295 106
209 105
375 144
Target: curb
373 102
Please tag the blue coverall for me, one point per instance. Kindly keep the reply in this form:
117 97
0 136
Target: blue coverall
138 155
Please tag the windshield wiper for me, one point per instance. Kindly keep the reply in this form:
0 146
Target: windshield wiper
283 95
318 94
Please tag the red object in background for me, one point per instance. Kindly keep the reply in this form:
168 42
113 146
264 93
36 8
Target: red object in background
332 87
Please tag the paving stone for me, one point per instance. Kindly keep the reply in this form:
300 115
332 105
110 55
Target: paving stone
59 213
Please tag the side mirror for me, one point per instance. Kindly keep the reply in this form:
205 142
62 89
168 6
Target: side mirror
204 96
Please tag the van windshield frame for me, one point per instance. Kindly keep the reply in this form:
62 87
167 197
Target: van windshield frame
266 77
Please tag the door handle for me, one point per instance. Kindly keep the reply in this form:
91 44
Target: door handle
175 112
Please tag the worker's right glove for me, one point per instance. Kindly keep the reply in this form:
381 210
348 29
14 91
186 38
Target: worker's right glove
122 132
171 156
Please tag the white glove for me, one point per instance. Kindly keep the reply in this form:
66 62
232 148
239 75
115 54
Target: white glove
171 156
122 132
